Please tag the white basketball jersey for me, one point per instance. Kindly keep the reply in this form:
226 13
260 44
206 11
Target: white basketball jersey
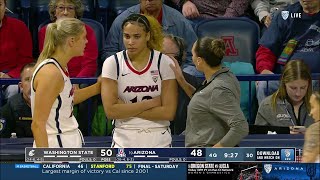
61 117
135 86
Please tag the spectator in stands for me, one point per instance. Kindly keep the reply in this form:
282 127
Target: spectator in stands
174 46
288 106
81 66
52 94
139 89
265 10
311 150
17 111
214 116
15 48
197 10
287 38
172 22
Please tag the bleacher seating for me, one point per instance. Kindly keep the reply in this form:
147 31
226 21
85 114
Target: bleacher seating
241 36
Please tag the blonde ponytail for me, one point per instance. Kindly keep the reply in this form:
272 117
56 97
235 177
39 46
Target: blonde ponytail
49 42
156 34
57 34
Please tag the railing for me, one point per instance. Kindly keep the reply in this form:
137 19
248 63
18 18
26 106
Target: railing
241 78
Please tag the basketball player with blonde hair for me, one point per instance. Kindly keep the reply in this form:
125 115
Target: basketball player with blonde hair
52 94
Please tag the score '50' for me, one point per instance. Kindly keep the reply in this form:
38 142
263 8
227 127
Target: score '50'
106 152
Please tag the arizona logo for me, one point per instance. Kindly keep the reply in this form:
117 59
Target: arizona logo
230 46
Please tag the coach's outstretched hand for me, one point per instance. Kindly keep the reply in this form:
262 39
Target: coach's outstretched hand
177 70
187 88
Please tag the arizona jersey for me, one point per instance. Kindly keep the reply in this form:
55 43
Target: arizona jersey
61 117
135 86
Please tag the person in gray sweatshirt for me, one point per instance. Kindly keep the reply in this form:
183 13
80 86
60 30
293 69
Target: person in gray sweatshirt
214 117
289 105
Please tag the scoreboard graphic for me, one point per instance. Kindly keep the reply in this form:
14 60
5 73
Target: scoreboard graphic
160 155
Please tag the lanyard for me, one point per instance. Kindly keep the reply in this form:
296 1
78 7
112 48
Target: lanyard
304 119
285 107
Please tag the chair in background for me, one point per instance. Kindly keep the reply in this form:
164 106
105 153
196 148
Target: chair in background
19 9
12 9
99 31
241 36
102 14
117 7
120 6
89 9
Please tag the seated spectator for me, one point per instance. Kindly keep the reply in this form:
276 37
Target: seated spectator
172 22
287 39
288 106
214 116
265 10
197 10
17 112
311 150
81 66
175 47
15 49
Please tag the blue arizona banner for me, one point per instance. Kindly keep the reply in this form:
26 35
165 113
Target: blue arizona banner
291 171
